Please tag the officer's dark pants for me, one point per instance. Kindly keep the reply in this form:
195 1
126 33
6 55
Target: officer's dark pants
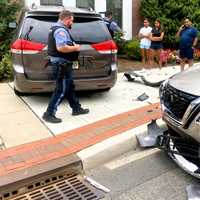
64 88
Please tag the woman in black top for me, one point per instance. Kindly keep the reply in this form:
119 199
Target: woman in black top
156 38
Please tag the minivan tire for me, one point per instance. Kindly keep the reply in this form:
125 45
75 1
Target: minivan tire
18 93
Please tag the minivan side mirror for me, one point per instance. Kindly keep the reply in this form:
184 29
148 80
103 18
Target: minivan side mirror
12 25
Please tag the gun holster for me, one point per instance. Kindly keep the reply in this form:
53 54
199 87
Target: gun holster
65 70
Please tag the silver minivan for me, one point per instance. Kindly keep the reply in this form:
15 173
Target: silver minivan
32 69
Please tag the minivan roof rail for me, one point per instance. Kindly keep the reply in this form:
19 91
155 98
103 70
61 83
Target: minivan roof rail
35 7
86 8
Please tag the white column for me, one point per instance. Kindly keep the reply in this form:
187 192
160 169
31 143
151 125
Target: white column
127 18
70 3
100 5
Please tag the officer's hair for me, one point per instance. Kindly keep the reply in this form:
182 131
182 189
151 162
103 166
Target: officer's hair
65 14
108 13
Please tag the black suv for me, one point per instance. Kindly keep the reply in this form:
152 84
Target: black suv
97 59
180 101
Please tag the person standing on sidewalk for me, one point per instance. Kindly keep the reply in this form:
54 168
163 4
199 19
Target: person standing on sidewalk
188 40
111 24
145 43
63 51
156 38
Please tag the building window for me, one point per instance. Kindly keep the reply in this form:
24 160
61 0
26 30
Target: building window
51 2
116 8
85 4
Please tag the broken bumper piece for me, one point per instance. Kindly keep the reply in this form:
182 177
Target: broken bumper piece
193 192
184 152
153 131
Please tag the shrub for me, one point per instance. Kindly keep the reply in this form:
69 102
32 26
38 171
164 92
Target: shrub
8 10
132 49
6 70
120 41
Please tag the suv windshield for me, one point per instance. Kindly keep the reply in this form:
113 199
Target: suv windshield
85 30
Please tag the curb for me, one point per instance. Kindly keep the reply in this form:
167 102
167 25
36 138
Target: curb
113 147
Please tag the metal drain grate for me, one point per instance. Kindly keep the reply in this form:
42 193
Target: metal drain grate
58 179
72 188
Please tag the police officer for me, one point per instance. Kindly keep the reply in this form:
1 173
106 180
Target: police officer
112 25
63 51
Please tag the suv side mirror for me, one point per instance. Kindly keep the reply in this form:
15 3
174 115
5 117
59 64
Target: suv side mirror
12 25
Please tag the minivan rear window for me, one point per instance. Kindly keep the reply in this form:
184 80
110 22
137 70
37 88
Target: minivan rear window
84 30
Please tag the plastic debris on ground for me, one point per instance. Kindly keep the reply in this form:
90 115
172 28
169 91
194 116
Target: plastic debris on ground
143 97
153 131
132 76
100 187
128 76
193 192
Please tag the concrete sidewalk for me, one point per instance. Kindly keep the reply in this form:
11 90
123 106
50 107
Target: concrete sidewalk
121 98
21 117
18 124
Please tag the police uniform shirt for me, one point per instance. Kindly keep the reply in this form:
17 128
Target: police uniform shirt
113 25
62 38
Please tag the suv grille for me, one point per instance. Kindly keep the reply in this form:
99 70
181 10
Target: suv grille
176 101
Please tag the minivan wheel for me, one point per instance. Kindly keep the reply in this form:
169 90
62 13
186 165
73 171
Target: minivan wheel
18 93
106 89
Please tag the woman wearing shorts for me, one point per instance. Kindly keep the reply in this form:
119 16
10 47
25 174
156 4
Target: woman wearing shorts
145 43
156 38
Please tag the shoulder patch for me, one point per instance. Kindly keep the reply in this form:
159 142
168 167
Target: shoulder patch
62 33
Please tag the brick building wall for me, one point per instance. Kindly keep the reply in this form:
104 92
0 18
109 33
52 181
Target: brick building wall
136 17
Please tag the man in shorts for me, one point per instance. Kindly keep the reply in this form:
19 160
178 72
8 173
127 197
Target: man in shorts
188 40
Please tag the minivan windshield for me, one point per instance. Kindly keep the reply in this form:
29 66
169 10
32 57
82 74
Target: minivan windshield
84 30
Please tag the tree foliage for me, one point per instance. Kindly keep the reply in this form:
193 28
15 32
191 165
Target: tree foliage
8 10
171 13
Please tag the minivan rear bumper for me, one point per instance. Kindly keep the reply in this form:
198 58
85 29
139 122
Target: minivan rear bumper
24 85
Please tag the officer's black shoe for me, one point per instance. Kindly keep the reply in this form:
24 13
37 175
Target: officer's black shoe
80 111
51 118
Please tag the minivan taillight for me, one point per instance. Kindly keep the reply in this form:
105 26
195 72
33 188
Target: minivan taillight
25 46
105 47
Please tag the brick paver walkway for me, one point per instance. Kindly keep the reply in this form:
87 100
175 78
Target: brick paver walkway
31 154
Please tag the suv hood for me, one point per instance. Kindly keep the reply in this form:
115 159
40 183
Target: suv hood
187 81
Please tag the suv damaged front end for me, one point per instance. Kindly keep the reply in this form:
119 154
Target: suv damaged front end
180 103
